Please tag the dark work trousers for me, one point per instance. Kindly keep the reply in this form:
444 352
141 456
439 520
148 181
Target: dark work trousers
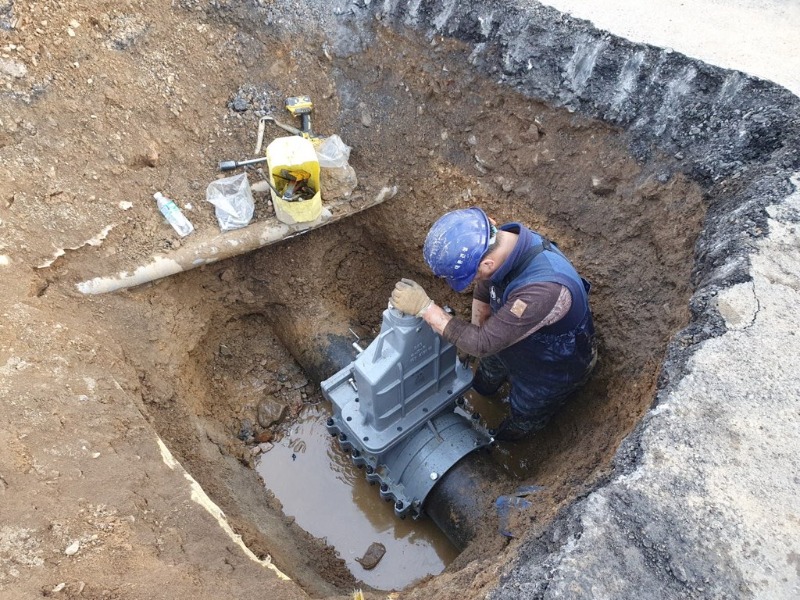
537 394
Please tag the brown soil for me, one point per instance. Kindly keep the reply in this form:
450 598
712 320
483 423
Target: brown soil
137 101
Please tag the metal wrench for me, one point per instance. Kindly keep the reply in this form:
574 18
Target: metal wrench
261 125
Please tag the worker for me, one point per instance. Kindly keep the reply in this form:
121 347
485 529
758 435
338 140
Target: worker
531 322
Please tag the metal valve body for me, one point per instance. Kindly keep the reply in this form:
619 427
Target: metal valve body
394 410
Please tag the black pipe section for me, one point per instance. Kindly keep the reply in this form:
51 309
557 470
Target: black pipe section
320 353
463 498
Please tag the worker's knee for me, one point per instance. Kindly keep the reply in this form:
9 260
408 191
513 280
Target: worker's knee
533 409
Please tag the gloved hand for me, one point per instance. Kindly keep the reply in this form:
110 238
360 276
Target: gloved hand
409 297
464 358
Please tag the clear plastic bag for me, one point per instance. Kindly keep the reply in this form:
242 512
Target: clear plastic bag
233 200
333 152
337 178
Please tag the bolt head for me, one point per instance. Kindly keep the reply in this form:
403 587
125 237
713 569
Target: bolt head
434 476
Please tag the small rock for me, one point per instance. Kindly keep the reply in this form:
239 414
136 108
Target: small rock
73 548
532 134
59 587
338 182
225 351
484 161
602 187
266 447
264 436
366 118
372 556
524 188
245 430
269 412
239 104
151 157
13 68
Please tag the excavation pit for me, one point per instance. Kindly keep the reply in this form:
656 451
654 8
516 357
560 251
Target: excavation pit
128 470
209 346
273 323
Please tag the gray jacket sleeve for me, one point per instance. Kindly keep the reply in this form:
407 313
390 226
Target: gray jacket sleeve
523 313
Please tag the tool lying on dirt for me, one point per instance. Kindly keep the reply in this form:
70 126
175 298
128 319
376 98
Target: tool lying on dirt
229 165
298 106
302 106
270 119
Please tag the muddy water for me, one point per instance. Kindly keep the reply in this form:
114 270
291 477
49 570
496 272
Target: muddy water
328 496
515 460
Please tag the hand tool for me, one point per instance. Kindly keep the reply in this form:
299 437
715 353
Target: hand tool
297 187
229 165
298 106
302 106
270 119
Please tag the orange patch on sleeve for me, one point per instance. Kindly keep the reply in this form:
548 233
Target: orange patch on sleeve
518 308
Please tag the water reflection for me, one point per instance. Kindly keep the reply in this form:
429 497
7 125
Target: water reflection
330 498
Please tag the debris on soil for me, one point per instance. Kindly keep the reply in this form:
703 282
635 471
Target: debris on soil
270 411
372 556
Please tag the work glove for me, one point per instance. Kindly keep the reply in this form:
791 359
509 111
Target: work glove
409 297
465 359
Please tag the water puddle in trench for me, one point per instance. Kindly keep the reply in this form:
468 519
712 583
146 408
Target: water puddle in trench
329 497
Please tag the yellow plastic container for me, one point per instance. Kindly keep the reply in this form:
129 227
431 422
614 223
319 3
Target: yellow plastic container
293 154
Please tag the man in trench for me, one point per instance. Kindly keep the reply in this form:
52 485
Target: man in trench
531 322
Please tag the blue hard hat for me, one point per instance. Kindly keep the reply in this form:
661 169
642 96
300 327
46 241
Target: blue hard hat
455 245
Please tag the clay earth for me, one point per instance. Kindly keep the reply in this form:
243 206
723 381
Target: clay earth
131 421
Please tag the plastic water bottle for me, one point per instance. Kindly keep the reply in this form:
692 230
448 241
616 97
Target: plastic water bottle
172 213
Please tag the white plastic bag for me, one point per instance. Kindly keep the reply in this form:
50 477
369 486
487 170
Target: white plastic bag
333 152
233 201
337 178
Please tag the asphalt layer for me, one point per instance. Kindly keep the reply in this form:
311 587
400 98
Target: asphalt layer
702 503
